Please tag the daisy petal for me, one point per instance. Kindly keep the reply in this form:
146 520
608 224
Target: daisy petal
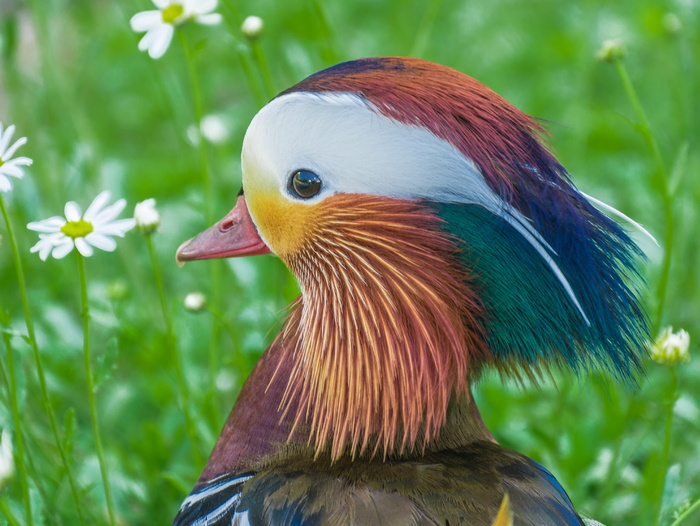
62 250
106 215
161 41
161 4
50 225
5 183
6 137
147 40
145 20
39 244
23 161
83 247
101 241
11 169
97 203
117 228
211 19
55 238
45 251
12 149
72 211
202 6
43 247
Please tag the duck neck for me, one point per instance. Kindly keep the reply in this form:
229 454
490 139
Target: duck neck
259 431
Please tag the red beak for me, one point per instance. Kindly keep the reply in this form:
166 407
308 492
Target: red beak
234 235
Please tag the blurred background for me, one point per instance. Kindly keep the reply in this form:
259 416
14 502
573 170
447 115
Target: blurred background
99 114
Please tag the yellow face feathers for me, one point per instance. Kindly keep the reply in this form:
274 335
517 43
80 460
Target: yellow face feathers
285 226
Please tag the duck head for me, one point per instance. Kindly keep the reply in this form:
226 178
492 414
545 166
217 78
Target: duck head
432 233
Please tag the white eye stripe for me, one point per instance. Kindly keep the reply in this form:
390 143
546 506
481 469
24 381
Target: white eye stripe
354 149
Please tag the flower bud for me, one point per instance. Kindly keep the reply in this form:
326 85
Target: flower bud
117 290
671 23
195 302
252 27
611 50
671 347
214 129
146 216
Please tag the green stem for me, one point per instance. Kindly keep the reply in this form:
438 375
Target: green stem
240 359
329 53
17 420
426 25
208 196
198 115
233 20
172 345
253 79
616 465
681 518
7 512
666 447
85 313
261 61
661 180
48 406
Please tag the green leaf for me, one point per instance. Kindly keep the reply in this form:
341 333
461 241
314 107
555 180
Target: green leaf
678 171
8 38
106 362
69 425
177 482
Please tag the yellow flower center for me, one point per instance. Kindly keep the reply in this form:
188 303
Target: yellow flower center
80 228
2 162
172 13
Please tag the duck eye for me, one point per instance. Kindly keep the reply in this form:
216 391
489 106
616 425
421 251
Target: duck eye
304 184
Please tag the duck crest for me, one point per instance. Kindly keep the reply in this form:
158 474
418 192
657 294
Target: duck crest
557 278
387 329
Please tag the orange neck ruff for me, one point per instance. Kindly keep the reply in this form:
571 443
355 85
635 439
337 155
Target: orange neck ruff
386 331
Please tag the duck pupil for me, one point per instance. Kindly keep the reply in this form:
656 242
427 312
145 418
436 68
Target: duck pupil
305 183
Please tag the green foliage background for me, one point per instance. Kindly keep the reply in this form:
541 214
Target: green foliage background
101 115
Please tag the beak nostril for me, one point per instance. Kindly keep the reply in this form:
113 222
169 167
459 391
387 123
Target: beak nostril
227 225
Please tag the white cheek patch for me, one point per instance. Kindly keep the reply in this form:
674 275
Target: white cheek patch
355 149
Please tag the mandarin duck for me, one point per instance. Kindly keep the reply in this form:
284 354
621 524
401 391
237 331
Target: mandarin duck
433 234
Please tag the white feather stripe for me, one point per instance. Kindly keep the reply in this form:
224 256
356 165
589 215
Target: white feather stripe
616 212
514 218
240 519
213 516
541 246
211 489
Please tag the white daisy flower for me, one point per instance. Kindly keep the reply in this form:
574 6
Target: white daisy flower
146 216
59 235
8 165
159 24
